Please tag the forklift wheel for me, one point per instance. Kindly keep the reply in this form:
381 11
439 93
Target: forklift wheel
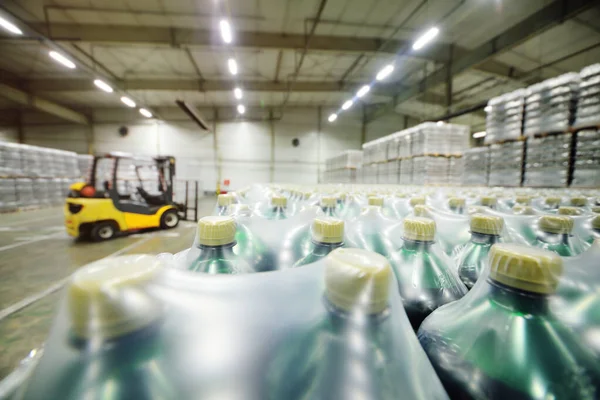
169 219
102 231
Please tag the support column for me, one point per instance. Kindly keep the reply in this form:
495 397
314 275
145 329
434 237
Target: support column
449 80
216 150
319 122
272 131
363 127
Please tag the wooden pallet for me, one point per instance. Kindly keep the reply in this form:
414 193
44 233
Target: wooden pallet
550 133
581 128
519 139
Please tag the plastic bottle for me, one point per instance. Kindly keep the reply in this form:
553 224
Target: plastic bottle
489 201
224 201
554 234
350 352
519 209
216 241
328 206
502 342
523 200
112 346
250 246
457 204
552 202
278 208
426 279
351 208
375 201
567 210
327 235
367 231
578 201
473 258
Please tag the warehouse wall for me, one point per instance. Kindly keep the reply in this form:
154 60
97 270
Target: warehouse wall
244 147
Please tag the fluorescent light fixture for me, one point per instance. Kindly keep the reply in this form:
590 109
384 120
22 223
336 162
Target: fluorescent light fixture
237 92
363 90
425 38
347 104
487 109
241 109
9 26
145 113
385 72
332 117
128 102
478 135
232 66
225 30
103 85
62 59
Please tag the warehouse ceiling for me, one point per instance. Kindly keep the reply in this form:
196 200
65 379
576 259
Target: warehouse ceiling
289 53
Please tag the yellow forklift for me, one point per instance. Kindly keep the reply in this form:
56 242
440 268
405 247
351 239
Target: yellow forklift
117 198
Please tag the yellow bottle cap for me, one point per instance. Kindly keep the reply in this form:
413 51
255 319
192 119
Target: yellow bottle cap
328 201
357 280
552 201
223 200
417 200
596 222
556 224
578 201
456 202
278 201
421 210
328 230
401 195
489 201
419 228
565 210
342 196
375 201
525 200
106 298
487 224
596 209
526 268
523 210
216 231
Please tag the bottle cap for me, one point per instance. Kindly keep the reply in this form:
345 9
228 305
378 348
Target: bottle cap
523 210
578 201
223 200
106 298
596 209
278 201
525 200
456 202
401 195
328 201
476 210
216 231
566 210
556 224
487 224
375 201
342 196
526 268
596 222
489 201
421 210
419 228
328 230
417 200
552 201
357 280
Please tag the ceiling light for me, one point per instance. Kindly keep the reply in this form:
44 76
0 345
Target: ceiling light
103 85
225 30
425 38
385 72
145 113
478 135
332 117
347 105
241 109
237 92
128 102
9 26
62 59
232 66
363 90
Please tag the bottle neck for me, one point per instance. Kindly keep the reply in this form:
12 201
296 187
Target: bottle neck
483 238
553 238
417 245
322 248
343 319
217 250
517 300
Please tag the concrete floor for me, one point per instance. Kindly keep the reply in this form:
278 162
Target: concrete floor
36 256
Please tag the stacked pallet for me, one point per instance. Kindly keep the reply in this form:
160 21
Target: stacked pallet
475 166
547 161
506 164
344 167
586 161
504 117
588 105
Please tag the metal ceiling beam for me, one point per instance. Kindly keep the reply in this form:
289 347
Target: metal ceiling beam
542 20
29 100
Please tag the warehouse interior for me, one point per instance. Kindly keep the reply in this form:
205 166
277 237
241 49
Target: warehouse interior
254 92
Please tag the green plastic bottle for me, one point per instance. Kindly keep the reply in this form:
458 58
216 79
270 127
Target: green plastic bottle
594 229
489 201
578 201
502 342
552 203
278 208
327 235
367 231
519 209
350 353
328 206
425 276
216 242
249 245
554 234
351 208
113 346
457 204
224 202
473 258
